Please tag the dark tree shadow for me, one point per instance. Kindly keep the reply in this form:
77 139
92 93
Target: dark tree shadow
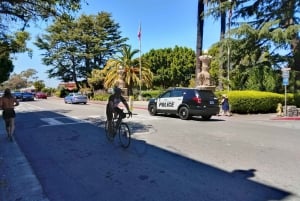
74 161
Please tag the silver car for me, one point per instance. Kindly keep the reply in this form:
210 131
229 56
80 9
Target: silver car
75 98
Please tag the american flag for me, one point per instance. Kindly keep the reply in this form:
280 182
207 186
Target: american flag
140 32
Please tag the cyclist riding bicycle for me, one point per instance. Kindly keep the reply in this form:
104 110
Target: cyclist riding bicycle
7 104
113 107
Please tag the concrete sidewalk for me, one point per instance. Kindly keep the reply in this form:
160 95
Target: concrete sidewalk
17 180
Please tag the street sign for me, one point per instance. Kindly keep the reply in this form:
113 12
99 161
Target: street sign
285 81
286 72
285 76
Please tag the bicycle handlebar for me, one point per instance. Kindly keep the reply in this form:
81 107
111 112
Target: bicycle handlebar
128 114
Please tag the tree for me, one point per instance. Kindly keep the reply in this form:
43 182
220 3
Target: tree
23 12
277 25
199 43
16 12
16 81
127 68
96 79
171 66
8 45
39 85
76 47
24 79
219 9
6 67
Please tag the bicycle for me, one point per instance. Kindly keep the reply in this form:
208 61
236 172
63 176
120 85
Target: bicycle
122 130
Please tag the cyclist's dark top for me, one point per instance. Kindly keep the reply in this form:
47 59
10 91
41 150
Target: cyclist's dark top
116 100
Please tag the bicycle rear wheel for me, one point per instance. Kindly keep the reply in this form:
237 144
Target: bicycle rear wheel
124 135
109 134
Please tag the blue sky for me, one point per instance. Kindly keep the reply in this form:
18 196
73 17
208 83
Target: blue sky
165 23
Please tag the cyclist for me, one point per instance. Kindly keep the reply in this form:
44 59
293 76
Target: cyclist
113 107
7 104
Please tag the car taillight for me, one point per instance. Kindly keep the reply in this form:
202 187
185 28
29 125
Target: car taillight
197 99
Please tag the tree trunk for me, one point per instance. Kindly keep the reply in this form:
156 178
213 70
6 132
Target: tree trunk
222 51
199 46
295 46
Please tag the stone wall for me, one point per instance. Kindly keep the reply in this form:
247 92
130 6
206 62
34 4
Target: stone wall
291 111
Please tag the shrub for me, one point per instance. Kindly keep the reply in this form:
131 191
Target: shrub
61 93
101 97
297 99
151 94
253 102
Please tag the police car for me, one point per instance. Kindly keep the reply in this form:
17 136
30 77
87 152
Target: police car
185 103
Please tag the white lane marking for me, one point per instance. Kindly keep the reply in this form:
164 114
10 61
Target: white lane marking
26 107
52 121
56 122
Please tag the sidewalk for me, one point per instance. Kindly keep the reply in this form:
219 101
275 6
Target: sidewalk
17 180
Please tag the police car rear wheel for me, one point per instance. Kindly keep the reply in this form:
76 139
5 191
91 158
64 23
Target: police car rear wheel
183 113
152 110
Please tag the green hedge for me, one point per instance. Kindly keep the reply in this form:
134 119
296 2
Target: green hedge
151 94
253 102
101 97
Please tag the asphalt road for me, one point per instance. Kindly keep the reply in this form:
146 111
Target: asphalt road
61 154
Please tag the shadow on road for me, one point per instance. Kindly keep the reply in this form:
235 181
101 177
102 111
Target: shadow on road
74 161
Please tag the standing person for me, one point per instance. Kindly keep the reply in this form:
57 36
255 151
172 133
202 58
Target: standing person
7 104
225 105
113 107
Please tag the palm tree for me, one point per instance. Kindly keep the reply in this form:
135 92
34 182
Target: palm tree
127 69
199 45
222 6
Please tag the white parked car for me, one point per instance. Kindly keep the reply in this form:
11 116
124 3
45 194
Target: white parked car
76 98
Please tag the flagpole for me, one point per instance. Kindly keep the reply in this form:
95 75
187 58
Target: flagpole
140 61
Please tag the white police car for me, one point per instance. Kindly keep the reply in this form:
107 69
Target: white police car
185 102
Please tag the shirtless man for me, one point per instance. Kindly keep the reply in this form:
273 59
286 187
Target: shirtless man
7 104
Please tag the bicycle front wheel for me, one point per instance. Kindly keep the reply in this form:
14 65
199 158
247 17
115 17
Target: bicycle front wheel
124 135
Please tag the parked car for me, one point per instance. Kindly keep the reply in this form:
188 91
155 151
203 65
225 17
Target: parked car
18 95
27 96
75 98
41 95
185 103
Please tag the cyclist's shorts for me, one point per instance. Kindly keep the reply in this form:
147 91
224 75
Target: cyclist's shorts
120 112
8 113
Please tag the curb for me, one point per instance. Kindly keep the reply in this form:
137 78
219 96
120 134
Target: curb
287 118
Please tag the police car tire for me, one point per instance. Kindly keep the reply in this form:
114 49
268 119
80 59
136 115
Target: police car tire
184 113
152 110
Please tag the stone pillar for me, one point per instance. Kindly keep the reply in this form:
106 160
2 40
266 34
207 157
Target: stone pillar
120 82
204 77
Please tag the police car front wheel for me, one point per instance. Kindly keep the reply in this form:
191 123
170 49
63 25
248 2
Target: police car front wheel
152 110
183 113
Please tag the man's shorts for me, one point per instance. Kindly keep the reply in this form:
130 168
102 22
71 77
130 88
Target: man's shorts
8 113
